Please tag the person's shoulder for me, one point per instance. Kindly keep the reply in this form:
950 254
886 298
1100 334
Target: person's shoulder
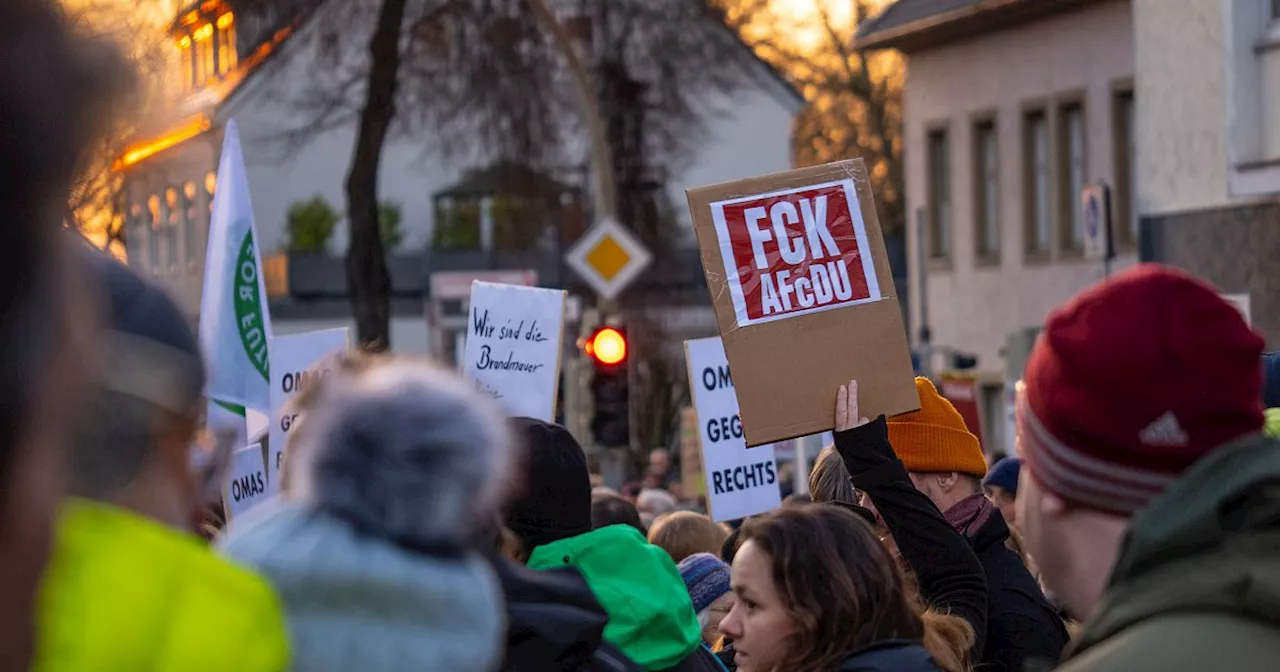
896 655
1184 641
701 660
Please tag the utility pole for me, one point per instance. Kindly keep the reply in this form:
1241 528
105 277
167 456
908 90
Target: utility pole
604 183
924 344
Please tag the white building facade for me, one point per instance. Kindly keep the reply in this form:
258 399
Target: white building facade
171 173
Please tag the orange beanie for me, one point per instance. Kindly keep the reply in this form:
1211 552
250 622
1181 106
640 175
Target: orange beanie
935 439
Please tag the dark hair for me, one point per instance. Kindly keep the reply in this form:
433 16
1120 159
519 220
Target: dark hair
56 89
839 584
610 510
730 546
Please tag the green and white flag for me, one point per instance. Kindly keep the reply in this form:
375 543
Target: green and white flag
235 322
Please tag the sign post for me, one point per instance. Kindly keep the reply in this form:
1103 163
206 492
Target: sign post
739 481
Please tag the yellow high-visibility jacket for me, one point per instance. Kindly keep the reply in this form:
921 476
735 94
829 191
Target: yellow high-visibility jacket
124 593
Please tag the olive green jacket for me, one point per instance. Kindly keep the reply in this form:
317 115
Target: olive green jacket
1197 582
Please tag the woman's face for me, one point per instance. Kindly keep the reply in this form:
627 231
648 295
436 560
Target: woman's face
715 612
758 624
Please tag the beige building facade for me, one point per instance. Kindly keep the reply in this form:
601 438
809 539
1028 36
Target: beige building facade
1010 110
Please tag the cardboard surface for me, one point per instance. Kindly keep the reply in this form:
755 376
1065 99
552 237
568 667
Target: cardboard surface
788 362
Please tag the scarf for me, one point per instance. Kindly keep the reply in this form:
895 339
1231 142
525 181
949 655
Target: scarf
970 514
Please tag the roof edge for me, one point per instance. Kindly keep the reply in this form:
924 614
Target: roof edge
968 21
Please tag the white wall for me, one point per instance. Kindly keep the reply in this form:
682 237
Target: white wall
408 174
1181 99
747 134
972 307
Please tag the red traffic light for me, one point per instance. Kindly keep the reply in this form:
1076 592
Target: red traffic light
607 346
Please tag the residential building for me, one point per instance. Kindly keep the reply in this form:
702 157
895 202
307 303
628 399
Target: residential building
1208 144
253 70
1010 109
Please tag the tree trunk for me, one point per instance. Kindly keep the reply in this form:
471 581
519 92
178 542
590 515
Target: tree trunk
368 281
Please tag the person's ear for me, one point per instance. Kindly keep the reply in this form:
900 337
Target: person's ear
1052 505
947 481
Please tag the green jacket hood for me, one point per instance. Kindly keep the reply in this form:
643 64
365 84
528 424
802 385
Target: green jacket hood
124 593
1209 543
651 616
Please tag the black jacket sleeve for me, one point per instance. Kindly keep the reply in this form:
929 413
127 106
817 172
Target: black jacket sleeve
948 573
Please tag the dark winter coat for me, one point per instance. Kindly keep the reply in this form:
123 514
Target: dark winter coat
1022 625
1197 582
890 656
701 660
555 623
948 573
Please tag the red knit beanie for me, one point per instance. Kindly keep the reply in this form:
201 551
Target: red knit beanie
1131 382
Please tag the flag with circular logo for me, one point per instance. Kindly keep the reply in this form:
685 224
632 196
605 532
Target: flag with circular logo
235 322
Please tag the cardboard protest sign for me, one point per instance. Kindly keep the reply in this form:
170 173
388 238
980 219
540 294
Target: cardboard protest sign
514 341
802 290
740 482
691 455
296 362
246 482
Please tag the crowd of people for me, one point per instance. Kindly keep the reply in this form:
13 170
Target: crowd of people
419 529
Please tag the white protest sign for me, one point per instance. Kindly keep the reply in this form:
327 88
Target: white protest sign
514 341
246 484
294 365
740 481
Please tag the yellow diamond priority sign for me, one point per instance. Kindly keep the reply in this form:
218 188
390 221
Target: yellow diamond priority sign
609 258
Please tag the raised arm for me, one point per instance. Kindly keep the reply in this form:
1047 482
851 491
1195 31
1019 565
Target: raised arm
948 573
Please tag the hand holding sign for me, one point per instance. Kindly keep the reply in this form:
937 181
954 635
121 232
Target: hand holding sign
847 407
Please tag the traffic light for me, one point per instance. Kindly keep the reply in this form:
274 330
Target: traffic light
610 387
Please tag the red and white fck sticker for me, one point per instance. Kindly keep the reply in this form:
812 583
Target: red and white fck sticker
794 252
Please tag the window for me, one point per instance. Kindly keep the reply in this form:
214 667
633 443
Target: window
138 230
986 195
173 212
939 195
226 35
188 62
190 219
210 185
154 225
1126 180
1071 172
1036 187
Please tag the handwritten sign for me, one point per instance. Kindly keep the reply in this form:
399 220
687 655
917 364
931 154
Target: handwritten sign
795 251
740 481
246 484
514 340
296 363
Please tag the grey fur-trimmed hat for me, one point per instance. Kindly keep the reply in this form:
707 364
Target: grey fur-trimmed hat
404 451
